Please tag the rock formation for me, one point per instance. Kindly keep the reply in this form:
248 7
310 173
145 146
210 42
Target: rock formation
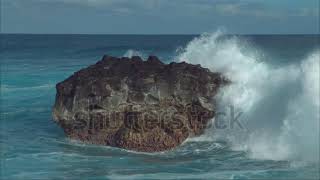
138 105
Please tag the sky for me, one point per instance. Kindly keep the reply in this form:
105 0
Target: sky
159 16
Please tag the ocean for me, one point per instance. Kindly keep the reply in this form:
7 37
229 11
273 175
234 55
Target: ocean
275 86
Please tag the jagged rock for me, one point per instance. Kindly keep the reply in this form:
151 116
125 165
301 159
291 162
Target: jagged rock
138 105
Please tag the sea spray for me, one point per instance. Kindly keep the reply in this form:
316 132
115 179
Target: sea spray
301 126
129 53
288 129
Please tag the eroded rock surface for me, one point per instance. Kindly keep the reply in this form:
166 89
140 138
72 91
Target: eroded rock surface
138 105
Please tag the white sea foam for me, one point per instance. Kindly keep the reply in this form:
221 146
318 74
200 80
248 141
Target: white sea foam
280 104
8 88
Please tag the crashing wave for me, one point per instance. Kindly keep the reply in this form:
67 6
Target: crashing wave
280 104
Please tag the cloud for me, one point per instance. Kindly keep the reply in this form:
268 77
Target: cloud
263 10
307 12
257 8
229 8
124 7
109 3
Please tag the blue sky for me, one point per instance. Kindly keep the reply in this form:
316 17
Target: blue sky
160 16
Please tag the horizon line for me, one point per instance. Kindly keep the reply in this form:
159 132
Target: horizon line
148 34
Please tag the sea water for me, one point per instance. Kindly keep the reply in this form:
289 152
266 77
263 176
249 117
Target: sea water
275 86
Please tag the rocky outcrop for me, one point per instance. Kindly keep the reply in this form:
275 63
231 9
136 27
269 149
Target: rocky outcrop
138 105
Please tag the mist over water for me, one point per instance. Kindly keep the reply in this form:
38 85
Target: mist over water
280 104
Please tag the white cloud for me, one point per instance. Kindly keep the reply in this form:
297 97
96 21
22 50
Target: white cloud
308 12
243 8
255 8
229 8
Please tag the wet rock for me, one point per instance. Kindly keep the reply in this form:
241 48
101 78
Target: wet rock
139 105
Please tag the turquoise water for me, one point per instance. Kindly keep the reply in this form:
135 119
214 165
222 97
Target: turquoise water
34 147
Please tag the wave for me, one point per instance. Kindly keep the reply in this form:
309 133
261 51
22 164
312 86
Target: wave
8 88
280 104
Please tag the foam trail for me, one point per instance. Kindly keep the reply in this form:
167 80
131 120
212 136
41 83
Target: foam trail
7 88
264 93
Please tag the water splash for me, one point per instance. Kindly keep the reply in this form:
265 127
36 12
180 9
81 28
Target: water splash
280 104
129 53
